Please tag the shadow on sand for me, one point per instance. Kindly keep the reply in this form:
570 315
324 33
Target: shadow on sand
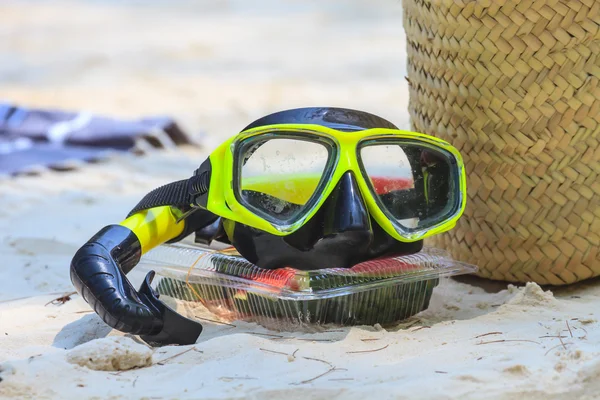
89 327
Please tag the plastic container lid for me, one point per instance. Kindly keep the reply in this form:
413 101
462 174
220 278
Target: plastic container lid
385 291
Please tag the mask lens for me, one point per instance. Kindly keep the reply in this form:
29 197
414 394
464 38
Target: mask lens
280 176
416 184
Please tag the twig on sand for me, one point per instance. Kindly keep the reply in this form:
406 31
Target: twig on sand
487 334
265 334
420 327
410 324
320 376
215 321
162 362
562 344
440 372
84 312
62 299
369 339
273 351
135 380
318 359
331 366
508 340
368 351
312 340
293 355
569 328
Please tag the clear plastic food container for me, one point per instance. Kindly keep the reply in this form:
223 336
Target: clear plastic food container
384 291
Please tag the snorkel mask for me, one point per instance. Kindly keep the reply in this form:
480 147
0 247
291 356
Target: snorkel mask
315 188
306 188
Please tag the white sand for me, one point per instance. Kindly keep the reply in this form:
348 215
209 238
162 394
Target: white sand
216 68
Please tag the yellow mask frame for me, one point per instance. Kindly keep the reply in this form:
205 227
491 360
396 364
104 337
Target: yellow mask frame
222 199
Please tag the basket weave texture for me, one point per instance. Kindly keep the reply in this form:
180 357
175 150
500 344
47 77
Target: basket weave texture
514 85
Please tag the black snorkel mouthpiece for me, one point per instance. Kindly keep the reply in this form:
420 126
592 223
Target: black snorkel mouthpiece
98 272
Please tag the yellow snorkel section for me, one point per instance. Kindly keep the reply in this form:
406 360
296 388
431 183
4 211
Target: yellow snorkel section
158 225
155 226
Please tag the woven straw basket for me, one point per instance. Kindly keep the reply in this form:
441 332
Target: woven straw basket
514 85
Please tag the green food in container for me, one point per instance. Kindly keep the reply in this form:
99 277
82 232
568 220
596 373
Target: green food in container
384 291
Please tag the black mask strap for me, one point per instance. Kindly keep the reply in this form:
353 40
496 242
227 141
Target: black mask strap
181 194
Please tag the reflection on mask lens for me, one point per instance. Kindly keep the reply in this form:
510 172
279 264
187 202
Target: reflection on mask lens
279 176
414 183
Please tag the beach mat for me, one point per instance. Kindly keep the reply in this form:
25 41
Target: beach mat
32 139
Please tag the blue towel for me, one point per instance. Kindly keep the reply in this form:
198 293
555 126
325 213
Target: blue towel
32 137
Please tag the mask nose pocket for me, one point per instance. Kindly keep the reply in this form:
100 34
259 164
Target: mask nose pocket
346 212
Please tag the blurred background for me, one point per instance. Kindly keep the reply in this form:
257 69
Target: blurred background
213 66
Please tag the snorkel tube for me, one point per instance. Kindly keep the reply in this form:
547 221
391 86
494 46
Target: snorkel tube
99 268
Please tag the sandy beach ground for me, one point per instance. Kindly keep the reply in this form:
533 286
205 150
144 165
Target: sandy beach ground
215 67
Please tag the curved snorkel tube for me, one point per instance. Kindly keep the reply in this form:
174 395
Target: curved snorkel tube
99 267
